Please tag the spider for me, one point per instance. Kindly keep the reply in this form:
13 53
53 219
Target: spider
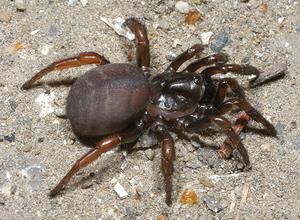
118 102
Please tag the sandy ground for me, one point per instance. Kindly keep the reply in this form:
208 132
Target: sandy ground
37 147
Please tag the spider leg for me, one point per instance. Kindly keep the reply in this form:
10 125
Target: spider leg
80 60
168 155
142 43
218 59
222 90
186 55
235 68
252 112
225 150
226 126
101 147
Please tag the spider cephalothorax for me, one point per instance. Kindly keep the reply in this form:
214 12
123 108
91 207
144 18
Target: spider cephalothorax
119 102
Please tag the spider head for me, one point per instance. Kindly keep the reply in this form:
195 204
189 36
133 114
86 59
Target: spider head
175 95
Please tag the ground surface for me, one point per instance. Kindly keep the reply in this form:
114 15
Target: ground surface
37 147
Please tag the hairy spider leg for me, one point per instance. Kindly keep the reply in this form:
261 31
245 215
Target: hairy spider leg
141 41
168 156
186 55
217 59
85 58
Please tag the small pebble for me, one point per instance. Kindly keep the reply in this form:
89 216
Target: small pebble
86 185
171 56
176 42
41 139
161 217
205 181
293 125
34 32
263 8
163 24
280 20
18 46
182 7
129 211
10 138
72 2
26 148
120 191
193 164
20 5
5 16
33 174
192 17
219 41
45 49
149 153
45 101
189 197
212 204
205 37
118 25
13 105
52 31
84 2
2 200
196 2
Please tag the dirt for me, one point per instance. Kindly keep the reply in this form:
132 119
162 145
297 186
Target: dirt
37 146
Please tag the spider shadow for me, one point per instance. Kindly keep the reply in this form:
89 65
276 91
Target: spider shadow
55 83
88 180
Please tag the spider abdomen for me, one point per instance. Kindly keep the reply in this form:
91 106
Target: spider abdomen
107 99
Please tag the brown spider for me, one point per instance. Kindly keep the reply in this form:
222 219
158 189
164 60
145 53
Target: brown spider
118 102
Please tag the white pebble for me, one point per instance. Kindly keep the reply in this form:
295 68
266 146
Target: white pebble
120 191
45 49
20 5
84 2
45 101
34 32
118 25
205 37
176 42
72 2
280 20
182 7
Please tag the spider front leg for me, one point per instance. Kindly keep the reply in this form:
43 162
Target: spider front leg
101 147
217 59
168 156
186 55
141 41
85 58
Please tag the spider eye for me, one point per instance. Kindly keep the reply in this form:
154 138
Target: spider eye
197 80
